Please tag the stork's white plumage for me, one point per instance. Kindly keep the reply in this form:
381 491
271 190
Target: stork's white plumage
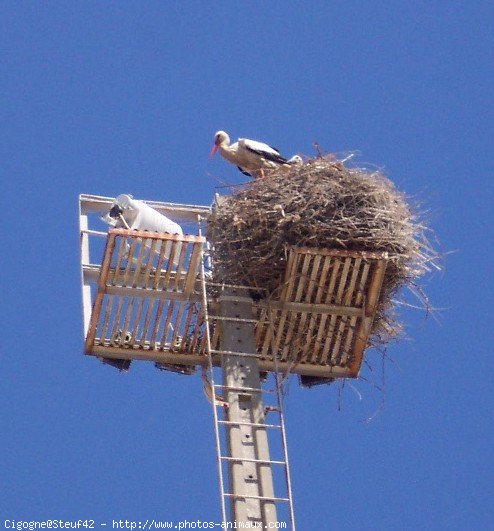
296 160
250 157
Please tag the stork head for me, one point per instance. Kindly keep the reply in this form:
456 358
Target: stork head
296 160
220 139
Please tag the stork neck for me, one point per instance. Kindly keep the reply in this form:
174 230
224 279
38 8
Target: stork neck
229 153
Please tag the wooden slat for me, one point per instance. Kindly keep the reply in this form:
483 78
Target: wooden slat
147 320
125 265
317 307
159 265
156 323
130 307
291 266
375 288
145 280
171 258
359 293
180 265
353 320
317 353
339 332
313 278
164 287
342 328
325 356
288 286
141 253
194 260
363 331
305 314
116 317
334 266
138 265
122 248
128 258
350 289
170 307
106 318
177 323
292 316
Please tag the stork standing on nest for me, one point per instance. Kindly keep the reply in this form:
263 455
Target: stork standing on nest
252 158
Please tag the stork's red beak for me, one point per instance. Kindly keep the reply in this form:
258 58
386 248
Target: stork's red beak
214 149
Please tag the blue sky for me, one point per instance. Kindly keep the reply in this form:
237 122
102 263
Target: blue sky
115 97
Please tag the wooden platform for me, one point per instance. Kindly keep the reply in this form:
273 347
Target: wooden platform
145 307
323 318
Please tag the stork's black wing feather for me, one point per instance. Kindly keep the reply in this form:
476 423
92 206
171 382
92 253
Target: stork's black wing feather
273 157
244 172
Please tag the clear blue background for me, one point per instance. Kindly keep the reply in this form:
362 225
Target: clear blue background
112 97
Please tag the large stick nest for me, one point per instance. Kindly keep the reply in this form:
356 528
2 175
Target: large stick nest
319 204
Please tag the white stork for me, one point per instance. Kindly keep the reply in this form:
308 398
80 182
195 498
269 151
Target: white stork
296 160
250 157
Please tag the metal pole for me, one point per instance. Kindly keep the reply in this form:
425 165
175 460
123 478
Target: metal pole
253 477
